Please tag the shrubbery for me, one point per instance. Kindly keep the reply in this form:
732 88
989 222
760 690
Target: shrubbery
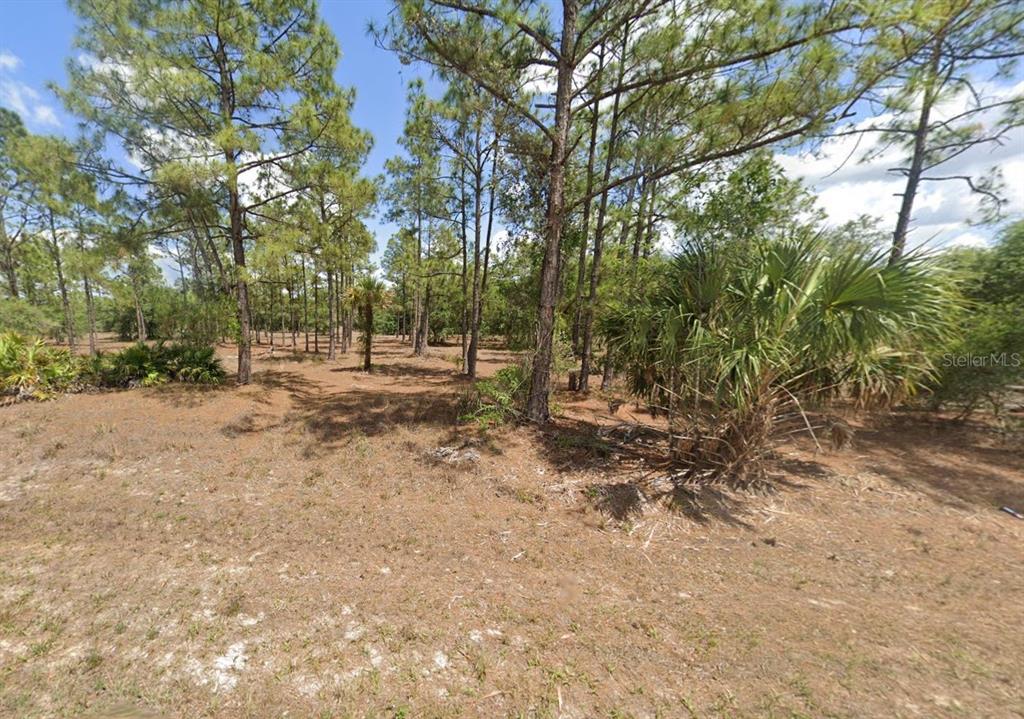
986 359
498 399
31 369
155 364
736 343
22 317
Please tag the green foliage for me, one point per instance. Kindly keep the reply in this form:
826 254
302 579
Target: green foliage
498 399
22 317
33 368
735 343
984 361
155 364
980 365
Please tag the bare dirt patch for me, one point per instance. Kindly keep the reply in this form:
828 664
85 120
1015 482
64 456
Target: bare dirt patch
300 545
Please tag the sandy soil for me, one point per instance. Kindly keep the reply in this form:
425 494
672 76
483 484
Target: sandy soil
295 548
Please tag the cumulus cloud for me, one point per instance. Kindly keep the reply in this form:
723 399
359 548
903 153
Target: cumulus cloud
943 211
22 98
9 61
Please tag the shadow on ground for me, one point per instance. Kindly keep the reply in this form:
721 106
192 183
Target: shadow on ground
974 471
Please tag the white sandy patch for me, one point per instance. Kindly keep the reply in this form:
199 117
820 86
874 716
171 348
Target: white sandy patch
247 621
355 631
223 674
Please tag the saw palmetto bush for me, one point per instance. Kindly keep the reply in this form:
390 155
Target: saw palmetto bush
33 369
158 363
738 343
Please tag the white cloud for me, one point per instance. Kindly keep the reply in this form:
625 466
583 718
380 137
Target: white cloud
9 61
22 98
968 239
943 211
45 115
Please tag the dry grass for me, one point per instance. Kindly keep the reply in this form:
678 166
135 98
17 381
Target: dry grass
294 547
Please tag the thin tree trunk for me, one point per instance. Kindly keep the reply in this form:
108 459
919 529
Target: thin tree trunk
69 320
540 381
305 302
581 268
478 191
478 300
899 236
292 317
270 316
316 311
331 334
465 239
583 381
368 337
90 311
140 318
640 222
343 314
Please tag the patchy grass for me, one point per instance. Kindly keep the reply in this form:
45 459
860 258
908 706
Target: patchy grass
292 546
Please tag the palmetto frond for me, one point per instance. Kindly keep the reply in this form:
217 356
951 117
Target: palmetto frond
730 337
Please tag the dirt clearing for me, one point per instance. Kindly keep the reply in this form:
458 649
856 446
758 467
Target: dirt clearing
321 543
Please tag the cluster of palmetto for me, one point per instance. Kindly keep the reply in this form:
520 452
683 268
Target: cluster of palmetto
739 342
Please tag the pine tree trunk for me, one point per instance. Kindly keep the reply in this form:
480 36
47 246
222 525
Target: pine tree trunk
583 382
331 333
69 320
305 302
581 266
478 299
422 332
368 337
90 311
478 191
537 409
465 240
316 312
419 337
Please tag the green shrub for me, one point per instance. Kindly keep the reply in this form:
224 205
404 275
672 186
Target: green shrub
984 363
24 318
34 369
986 359
498 399
151 365
140 363
735 343
194 364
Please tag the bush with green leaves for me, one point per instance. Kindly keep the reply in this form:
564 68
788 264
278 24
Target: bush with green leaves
498 399
31 368
24 318
982 364
155 364
36 370
736 344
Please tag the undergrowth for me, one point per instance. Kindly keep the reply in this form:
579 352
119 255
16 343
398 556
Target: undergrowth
498 399
31 369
